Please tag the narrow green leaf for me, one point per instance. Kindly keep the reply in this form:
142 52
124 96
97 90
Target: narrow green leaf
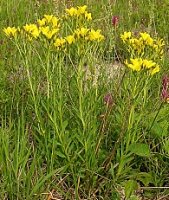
60 154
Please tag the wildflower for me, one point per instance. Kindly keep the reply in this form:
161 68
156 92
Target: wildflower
88 16
45 30
95 35
49 33
32 30
48 18
165 81
81 10
108 99
55 21
126 36
158 47
146 38
155 70
148 64
72 11
59 42
136 43
136 64
70 39
41 22
165 92
115 21
10 31
81 32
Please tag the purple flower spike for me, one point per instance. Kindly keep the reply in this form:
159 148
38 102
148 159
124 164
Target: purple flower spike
108 99
165 92
165 82
115 21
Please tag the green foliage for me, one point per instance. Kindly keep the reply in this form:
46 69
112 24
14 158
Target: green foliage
130 187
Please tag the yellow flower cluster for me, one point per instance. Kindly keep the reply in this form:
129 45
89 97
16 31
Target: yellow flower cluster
79 11
95 35
47 26
82 33
89 34
138 64
52 29
31 31
11 31
144 50
143 45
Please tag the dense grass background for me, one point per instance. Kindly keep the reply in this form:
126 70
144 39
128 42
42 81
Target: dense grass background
71 145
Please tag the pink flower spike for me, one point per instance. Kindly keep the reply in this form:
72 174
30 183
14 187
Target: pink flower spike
108 99
115 21
165 81
165 92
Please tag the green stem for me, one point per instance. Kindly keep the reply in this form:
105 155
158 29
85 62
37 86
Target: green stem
25 54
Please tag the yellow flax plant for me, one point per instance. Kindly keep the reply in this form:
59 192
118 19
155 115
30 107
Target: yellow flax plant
144 61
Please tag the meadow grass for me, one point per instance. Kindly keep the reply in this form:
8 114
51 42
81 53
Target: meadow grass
86 118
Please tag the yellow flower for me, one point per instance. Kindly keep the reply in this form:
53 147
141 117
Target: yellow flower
148 64
59 42
70 39
136 64
155 70
133 41
10 31
81 32
45 30
136 43
88 16
32 30
49 33
81 10
95 35
146 38
41 22
55 21
72 11
158 47
35 33
126 36
48 18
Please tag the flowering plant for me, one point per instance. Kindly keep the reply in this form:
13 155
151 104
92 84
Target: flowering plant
145 53
52 29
